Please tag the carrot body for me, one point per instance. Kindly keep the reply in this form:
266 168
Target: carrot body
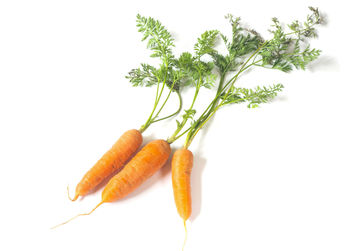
142 166
181 167
111 162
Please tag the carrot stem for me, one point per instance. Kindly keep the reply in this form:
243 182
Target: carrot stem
215 105
173 114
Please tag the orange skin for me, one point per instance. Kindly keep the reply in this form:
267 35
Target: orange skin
142 166
181 167
111 162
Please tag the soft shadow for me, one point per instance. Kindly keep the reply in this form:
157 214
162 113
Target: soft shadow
196 184
324 19
147 139
324 63
197 172
283 98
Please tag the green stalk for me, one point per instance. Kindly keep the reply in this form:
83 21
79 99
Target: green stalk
205 117
175 113
150 119
184 121
146 125
210 107
214 103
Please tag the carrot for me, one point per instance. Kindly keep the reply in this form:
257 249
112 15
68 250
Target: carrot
145 163
142 166
181 167
111 162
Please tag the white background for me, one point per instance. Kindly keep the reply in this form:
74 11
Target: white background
274 178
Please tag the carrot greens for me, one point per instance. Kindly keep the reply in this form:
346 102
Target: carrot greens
161 43
246 49
198 73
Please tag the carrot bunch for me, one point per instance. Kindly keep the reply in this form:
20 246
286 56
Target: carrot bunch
245 50
173 73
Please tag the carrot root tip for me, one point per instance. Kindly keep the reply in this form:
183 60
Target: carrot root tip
75 196
185 240
63 223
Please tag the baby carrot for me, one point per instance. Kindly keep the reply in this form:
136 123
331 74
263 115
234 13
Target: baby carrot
142 166
111 162
181 167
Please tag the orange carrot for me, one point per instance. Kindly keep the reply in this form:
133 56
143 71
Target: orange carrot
142 166
111 162
181 167
145 163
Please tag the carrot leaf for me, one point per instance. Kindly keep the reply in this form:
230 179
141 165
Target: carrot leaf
246 49
159 38
253 97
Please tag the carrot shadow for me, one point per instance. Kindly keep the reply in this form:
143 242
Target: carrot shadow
324 63
199 163
196 181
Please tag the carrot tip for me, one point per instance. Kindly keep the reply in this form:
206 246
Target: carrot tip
75 196
183 246
63 223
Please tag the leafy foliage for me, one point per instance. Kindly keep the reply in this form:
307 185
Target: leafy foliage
205 43
245 48
195 71
253 97
159 38
188 114
146 75
307 28
160 41
301 58
242 43
283 51
187 70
